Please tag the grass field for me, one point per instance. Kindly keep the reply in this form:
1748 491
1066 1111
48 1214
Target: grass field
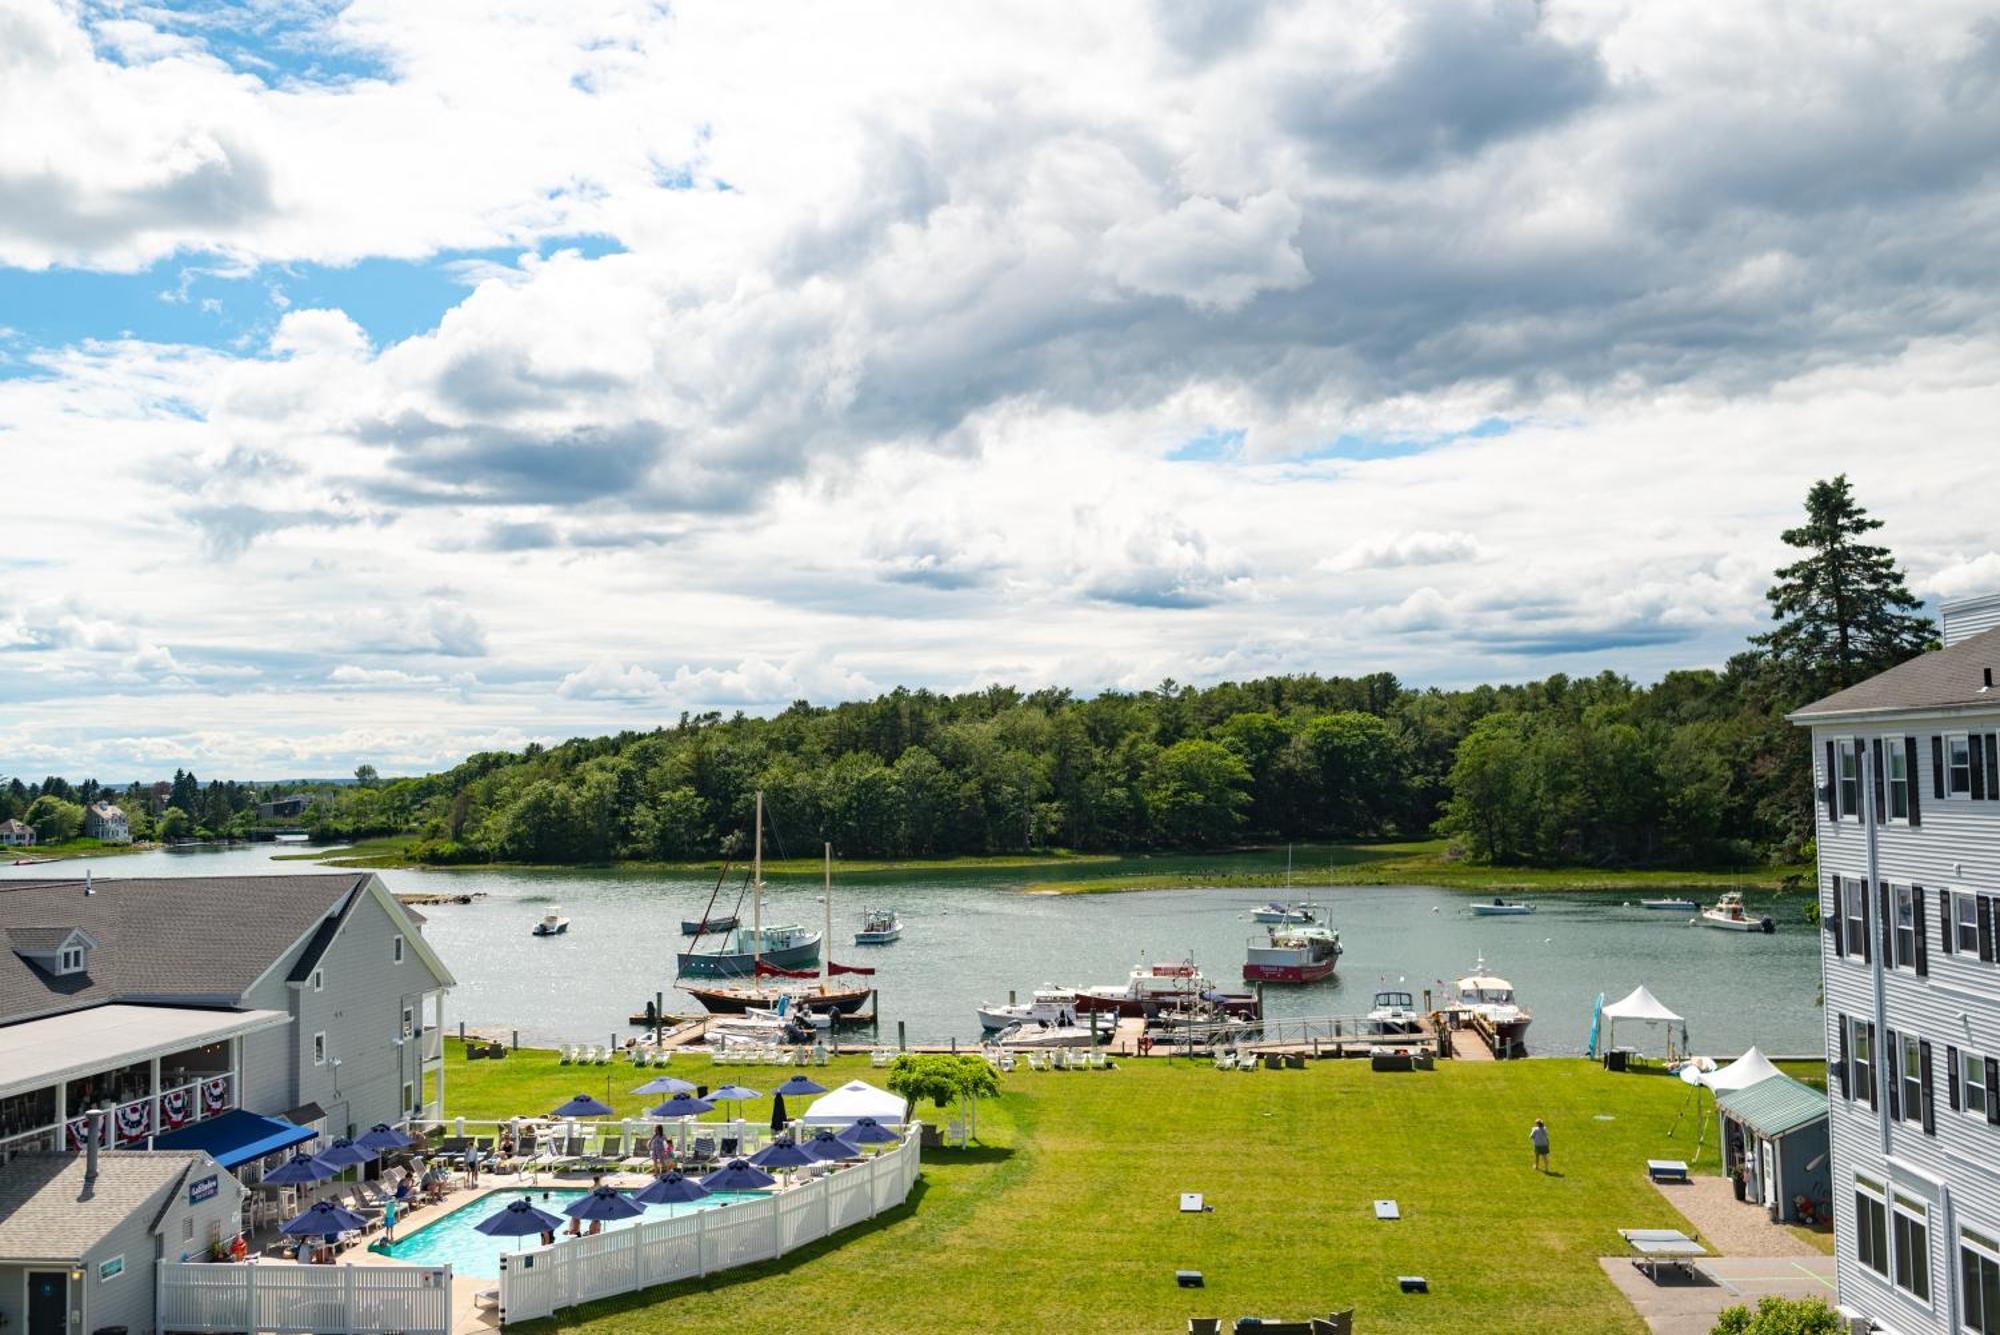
1063 1216
79 847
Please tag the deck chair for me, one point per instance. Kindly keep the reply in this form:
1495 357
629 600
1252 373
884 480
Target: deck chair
702 1150
609 1151
1204 1325
879 1058
567 1054
727 1148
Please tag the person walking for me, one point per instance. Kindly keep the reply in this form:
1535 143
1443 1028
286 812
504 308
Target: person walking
1539 1138
660 1162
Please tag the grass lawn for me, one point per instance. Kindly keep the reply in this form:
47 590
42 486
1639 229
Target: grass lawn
1420 862
79 847
1063 1216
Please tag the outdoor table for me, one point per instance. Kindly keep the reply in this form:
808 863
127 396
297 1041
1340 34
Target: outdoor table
1666 1170
1652 1246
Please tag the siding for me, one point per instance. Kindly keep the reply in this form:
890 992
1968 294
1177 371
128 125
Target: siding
1957 846
127 1299
1965 617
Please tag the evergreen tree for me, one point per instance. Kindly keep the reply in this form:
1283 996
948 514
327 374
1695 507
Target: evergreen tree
1843 610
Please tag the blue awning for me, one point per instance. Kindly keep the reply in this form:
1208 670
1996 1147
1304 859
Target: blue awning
236 1137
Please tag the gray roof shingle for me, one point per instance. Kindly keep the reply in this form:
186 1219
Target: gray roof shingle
187 938
1953 678
46 1215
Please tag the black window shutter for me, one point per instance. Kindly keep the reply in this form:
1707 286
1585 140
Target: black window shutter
1992 1103
1888 901
1866 934
1881 802
1832 786
1834 923
1840 1023
1948 925
1910 777
1952 1093
1893 1069
1929 1109
1977 742
1985 927
1937 765
1875 1068
1993 767
1922 933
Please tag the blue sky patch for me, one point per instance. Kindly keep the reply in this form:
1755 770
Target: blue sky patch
293 44
1362 446
1212 444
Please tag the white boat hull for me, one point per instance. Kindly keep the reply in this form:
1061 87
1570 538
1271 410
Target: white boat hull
1503 910
1724 923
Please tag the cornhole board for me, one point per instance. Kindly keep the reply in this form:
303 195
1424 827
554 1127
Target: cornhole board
1388 1210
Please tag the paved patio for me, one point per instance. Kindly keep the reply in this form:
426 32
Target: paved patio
1681 1305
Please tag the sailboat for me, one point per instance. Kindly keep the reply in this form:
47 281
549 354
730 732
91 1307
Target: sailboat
771 978
742 953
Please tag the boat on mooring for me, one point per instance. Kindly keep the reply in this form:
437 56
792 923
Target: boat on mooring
1502 908
1301 954
879 927
1729 914
716 926
1275 912
1668 905
742 950
552 923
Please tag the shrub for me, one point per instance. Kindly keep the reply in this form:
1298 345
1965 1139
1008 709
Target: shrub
1779 1316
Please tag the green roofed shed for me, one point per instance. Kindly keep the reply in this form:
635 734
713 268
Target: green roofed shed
1775 1136
1774 1107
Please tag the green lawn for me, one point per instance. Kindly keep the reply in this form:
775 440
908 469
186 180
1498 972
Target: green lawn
79 847
1063 1216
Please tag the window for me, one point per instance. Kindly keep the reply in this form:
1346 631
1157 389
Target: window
70 960
1957 766
1854 896
1913 1079
1906 927
1976 1089
409 1097
1849 753
409 1022
1871 1226
319 1049
319 980
1862 1059
1979 1282
1910 1222
397 952
1899 779
1965 916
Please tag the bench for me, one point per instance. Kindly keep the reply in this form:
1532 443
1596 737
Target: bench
1666 1170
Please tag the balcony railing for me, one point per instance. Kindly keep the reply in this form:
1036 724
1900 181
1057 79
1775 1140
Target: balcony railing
131 1123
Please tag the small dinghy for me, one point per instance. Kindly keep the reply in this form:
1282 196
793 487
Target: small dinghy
553 923
1502 908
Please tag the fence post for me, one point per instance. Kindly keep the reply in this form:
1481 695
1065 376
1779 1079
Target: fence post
826 1206
874 1175
638 1260
777 1228
347 1300
251 1316
701 1243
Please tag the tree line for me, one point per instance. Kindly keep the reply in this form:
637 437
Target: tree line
1698 769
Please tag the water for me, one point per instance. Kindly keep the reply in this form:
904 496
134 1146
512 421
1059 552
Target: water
454 1241
969 937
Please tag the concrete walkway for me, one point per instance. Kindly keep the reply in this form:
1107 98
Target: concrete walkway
1679 1305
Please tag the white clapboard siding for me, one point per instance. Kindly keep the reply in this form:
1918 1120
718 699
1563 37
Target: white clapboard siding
1964 618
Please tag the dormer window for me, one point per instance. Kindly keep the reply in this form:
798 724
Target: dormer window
70 960
60 951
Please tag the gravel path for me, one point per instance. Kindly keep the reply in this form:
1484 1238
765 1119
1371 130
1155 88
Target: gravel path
1729 1226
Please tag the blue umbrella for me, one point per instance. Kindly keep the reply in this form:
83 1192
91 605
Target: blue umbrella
778 1118
798 1085
782 1154
324 1220
382 1136
829 1148
582 1106
673 1189
666 1084
868 1131
520 1219
301 1170
733 1094
344 1153
737 1175
604 1203
682 1105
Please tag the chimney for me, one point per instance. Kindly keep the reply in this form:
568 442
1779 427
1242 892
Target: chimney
88 888
1989 680
92 1123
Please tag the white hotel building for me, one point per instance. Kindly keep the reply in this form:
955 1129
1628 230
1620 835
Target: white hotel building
1907 788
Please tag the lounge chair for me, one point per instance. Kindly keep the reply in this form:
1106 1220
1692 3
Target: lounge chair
702 1150
879 1058
566 1054
1204 1325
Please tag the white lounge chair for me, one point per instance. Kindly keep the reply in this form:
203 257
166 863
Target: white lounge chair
567 1055
879 1058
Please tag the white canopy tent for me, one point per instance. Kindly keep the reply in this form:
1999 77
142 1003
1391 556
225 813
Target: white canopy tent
1641 1006
1752 1068
854 1100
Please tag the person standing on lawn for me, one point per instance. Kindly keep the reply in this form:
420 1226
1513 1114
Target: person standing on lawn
1539 1138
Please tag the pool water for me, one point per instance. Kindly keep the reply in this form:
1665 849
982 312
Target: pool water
454 1241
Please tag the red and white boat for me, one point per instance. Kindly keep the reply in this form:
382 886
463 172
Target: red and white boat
1154 988
1303 954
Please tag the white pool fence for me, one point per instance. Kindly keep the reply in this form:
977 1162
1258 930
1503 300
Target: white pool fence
534 1283
304 1300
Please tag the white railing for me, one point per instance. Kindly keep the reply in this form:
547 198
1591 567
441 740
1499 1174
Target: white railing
150 1115
635 1134
305 1300
534 1283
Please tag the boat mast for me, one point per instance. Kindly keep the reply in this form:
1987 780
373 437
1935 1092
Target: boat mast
757 898
826 941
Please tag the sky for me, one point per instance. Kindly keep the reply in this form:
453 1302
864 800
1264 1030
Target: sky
382 382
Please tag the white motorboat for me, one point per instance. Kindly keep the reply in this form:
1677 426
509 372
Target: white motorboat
1393 1014
1502 908
553 923
1729 915
1152 988
1668 905
1050 1005
1275 912
1491 998
1050 1036
878 927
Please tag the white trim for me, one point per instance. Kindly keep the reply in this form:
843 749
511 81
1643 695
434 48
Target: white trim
396 950
1964 739
318 980
1894 745
319 1048
72 1288
1845 748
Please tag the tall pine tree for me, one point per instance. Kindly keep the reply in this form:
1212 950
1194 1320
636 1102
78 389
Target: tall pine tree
1843 610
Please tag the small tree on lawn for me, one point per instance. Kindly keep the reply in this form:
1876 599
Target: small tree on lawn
1779 1316
945 1080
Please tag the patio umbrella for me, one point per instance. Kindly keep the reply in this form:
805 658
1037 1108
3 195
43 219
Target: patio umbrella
520 1219
800 1084
778 1118
868 1131
733 1094
301 1170
737 1175
782 1154
825 1147
382 1136
323 1220
604 1203
682 1105
666 1084
673 1189
582 1106
345 1154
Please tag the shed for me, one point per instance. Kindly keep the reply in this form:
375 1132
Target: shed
1776 1131
854 1100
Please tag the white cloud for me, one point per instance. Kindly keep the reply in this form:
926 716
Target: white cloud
606 680
1421 547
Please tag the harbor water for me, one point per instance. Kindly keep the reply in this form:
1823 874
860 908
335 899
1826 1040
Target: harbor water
970 937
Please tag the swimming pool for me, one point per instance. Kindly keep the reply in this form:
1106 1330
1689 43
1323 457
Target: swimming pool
452 1240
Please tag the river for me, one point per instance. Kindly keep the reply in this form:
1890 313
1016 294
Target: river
969 937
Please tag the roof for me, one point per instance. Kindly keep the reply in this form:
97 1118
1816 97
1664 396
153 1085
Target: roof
40 940
855 1099
1640 1004
36 1053
1752 1068
12 826
182 938
237 1137
1774 1107
1952 678
47 1213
